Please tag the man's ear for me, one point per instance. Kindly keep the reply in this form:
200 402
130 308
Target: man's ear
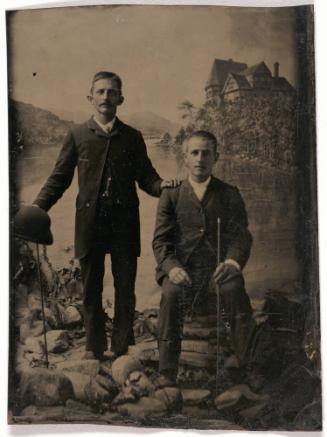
121 100
89 98
217 156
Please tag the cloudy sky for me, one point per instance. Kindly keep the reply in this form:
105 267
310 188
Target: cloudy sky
163 53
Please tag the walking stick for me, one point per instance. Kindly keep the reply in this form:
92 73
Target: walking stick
42 305
218 305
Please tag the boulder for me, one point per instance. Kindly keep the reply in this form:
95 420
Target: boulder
44 414
195 396
76 353
152 324
80 412
55 359
139 384
201 333
97 395
72 317
31 329
123 366
33 357
57 340
34 301
206 321
71 404
74 289
146 407
200 346
79 382
171 397
145 351
197 377
196 359
253 412
152 312
21 300
105 369
51 318
125 396
45 387
232 396
86 367
21 363
34 344
108 384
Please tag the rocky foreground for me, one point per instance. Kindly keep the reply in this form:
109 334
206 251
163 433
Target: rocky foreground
281 390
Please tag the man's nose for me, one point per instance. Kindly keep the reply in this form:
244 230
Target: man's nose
200 156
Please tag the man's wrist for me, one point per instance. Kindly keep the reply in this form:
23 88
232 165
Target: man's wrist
234 263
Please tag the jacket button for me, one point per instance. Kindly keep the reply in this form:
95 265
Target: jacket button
201 230
87 204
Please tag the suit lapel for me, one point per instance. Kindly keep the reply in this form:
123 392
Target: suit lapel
117 127
213 197
93 125
209 193
188 190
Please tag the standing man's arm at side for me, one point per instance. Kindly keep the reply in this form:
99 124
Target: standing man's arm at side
61 176
146 176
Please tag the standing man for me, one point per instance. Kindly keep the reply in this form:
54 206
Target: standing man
185 247
110 157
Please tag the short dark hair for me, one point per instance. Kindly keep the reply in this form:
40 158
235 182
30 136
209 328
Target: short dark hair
107 75
206 135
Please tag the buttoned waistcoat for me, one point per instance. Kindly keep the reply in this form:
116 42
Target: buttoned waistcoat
183 222
87 147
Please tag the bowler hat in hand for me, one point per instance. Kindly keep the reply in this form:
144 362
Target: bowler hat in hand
32 223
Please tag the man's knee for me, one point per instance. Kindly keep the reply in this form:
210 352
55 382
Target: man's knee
234 287
170 292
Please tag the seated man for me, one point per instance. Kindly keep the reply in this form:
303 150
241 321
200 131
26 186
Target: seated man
185 247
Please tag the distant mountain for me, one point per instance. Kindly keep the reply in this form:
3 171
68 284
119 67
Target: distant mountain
36 127
35 136
32 128
76 116
151 124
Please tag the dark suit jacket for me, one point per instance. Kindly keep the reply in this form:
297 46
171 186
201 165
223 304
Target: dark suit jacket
86 146
183 221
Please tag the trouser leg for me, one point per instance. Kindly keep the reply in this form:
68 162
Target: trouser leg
170 326
239 313
92 270
124 266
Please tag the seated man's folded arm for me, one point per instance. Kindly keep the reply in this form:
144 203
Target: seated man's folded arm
164 240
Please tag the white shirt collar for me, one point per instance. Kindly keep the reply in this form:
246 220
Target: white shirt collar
105 127
199 188
203 184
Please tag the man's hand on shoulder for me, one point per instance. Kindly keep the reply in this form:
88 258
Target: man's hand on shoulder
178 276
172 183
226 270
